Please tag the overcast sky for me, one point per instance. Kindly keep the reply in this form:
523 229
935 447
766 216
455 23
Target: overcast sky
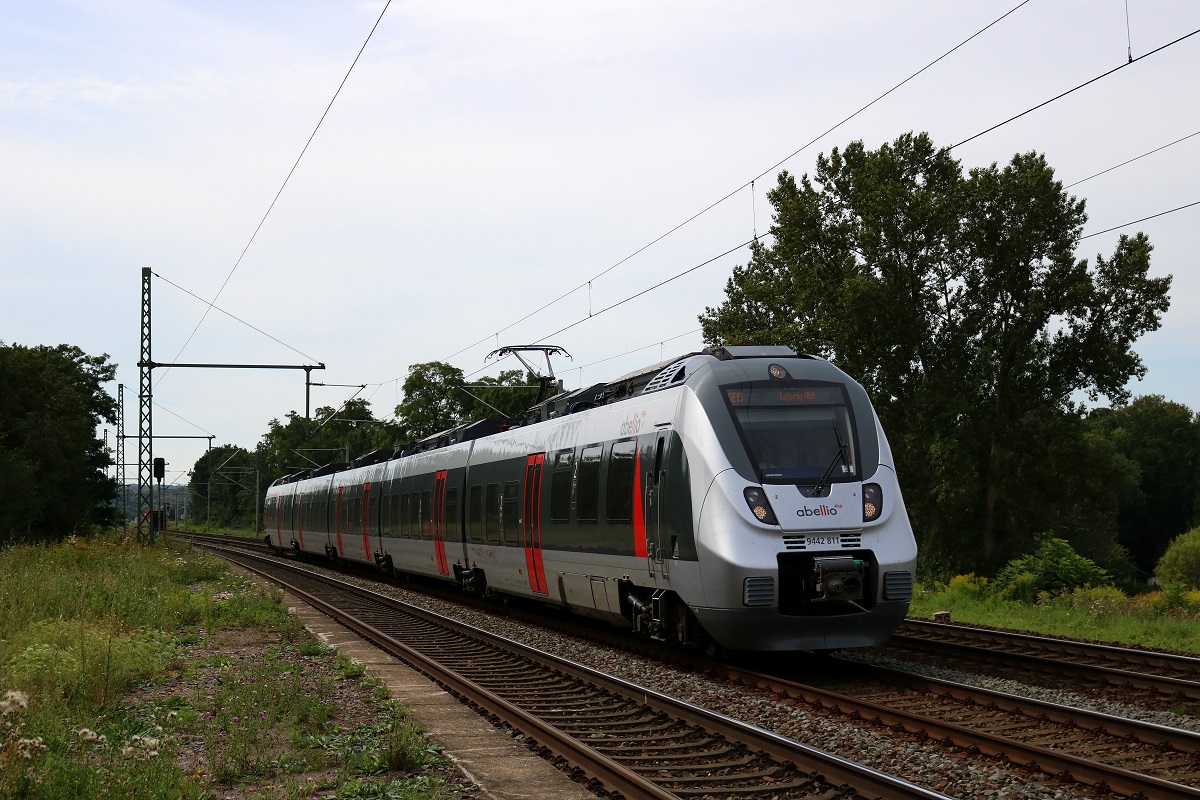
484 159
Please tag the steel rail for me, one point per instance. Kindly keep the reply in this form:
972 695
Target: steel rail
834 769
1180 739
1153 657
1053 762
1163 684
599 767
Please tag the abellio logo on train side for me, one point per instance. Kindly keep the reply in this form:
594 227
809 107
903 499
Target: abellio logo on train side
634 424
820 511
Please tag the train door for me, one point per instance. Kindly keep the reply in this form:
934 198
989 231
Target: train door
279 507
531 528
300 520
657 549
439 522
365 522
338 521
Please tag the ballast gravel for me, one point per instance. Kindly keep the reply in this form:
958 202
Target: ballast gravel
945 769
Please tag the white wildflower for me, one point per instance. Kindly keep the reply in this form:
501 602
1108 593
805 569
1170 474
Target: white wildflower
28 748
13 702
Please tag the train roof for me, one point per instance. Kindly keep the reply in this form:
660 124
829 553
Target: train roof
651 378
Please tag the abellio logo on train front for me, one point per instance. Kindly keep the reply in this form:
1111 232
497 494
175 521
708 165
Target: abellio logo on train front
820 511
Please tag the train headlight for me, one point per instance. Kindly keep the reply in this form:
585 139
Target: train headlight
872 501
756 498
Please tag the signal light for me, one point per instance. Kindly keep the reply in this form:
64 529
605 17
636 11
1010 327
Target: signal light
872 501
756 498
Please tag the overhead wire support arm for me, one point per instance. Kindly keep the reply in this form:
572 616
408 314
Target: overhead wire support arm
308 368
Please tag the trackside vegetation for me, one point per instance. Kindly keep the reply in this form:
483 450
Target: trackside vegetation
154 672
1056 591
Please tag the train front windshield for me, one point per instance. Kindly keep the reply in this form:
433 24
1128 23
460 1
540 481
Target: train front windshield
796 432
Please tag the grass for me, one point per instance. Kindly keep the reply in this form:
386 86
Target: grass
200 527
154 672
1162 620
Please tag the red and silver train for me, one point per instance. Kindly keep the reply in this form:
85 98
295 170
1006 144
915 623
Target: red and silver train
743 497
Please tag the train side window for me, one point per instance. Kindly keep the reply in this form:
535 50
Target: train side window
475 514
619 497
426 515
560 486
405 528
452 520
510 513
491 518
587 490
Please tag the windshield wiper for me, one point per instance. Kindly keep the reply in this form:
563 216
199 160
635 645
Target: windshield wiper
839 455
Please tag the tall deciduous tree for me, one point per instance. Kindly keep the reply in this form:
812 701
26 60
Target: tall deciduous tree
222 491
53 468
437 397
957 300
1162 440
332 435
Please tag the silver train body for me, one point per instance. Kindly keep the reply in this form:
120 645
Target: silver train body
744 498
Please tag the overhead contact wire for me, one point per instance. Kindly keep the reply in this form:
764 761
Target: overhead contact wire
235 318
1077 88
1130 161
713 205
1136 221
303 150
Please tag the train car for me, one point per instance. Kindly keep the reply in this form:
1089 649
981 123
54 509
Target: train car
742 498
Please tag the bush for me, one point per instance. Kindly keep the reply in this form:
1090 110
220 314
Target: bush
1054 569
1100 600
1181 563
1174 599
969 585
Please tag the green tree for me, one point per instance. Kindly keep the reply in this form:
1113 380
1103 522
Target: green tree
332 435
434 399
1162 439
437 398
1181 563
508 394
1054 567
222 491
957 301
53 467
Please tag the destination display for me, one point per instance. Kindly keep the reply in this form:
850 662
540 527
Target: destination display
785 396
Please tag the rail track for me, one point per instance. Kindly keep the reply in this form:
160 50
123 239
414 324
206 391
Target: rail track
1168 674
1127 757
626 740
